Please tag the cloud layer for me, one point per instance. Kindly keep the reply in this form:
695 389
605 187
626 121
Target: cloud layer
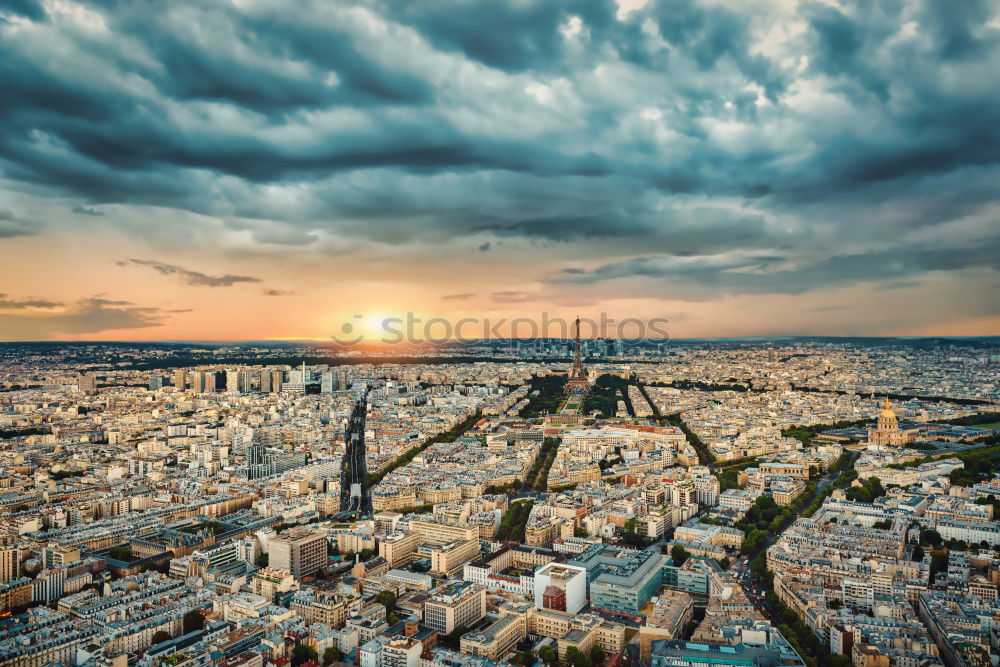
701 149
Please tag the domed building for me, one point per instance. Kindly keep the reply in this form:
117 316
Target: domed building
886 431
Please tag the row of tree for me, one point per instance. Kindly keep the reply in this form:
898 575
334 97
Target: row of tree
513 523
766 518
448 436
538 477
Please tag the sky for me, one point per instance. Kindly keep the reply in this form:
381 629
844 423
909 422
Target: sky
272 169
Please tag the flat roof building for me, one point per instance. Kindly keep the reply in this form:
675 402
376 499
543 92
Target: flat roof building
301 551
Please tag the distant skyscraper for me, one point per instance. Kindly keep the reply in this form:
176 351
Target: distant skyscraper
329 382
203 382
297 380
237 381
156 382
270 380
180 378
299 375
87 383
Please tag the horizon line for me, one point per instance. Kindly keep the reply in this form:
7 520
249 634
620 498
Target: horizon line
222 341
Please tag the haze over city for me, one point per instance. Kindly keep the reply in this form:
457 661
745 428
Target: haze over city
267 170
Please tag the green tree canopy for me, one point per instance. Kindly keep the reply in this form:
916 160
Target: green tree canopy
679 554
548 655
121 552
193 620
576 658
302 653
387 599
931 537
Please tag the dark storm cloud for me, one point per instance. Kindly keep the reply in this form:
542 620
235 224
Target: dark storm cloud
760 275
679 130
709 34
196 278
513 36
569 228
31 9
682 232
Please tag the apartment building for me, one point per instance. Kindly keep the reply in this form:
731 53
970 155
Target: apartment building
301 551
453 605
498 640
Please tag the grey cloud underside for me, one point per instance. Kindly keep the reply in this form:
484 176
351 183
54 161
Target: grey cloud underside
683 130
88 316
31 9
87 210
11 225
512 296
765 275
196 278
11 303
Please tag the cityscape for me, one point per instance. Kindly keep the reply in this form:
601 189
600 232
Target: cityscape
500 333
802 502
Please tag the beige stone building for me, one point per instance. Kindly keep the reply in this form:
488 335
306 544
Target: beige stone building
454 605
301 551
886 431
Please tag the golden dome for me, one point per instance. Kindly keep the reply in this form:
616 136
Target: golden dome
886 410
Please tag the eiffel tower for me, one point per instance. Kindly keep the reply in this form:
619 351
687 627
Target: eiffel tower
578 381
